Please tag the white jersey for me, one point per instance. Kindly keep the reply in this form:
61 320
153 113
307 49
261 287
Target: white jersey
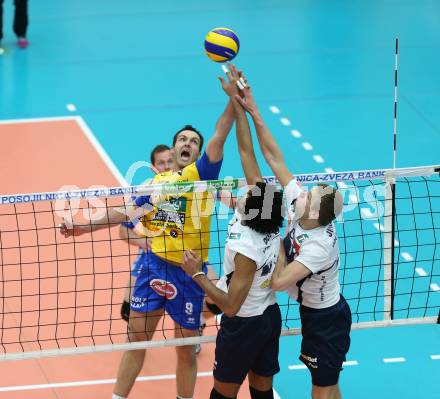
263 249
317 249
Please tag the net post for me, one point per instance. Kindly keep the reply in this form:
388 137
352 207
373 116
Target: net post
389 244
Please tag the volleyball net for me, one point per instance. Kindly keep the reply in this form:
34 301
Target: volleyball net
61 296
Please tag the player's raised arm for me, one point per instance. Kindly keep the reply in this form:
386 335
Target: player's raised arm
214 148
268 145
246 149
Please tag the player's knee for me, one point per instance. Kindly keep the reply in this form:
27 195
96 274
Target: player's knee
256 394
328 392
137 330
186 354
218 395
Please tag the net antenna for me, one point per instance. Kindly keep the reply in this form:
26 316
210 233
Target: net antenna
396 58
390 214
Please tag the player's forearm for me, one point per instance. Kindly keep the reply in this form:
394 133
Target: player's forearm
280 281
268 145
245 146
225 122
109 219
128 235
214 148
219 297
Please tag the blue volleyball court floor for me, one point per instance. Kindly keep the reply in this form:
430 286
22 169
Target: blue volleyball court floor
323 74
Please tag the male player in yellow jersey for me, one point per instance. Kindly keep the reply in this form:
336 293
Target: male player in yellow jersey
183 222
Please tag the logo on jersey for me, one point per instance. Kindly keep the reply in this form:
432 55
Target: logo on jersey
163 288
174 233
266 283
298 242
234 236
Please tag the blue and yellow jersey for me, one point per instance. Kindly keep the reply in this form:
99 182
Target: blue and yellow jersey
181 221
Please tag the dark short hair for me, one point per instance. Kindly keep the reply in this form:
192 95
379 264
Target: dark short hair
330 205
157 150
192 129
269 205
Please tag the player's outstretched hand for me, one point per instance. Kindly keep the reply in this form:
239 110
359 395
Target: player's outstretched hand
247 100
233 84
192 263
68 229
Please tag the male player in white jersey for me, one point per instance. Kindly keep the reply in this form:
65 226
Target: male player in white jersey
248 340
310 272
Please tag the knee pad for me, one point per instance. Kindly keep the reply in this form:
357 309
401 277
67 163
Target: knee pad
213 308
217 395
125 311
255 394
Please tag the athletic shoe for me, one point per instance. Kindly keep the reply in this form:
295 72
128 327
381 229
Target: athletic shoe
22 42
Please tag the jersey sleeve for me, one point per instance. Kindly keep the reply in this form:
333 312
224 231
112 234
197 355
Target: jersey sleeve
292 191
208 170
245 247
314 255
142 200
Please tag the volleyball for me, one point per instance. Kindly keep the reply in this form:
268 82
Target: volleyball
221 44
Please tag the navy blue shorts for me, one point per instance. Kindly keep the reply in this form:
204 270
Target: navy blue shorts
248 343
160 285
325 341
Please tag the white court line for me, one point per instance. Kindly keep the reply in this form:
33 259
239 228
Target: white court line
379 226
394 360
307 146
353 198
100 150
75 384
351 363
37 120
406 256
296 133
366 213
342 185
435 287
274 109
318 158
297 367
285 121
435 357
421 272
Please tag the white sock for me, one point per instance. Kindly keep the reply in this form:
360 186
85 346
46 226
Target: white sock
181 397
114 396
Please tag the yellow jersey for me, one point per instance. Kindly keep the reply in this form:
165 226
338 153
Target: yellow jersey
181 221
